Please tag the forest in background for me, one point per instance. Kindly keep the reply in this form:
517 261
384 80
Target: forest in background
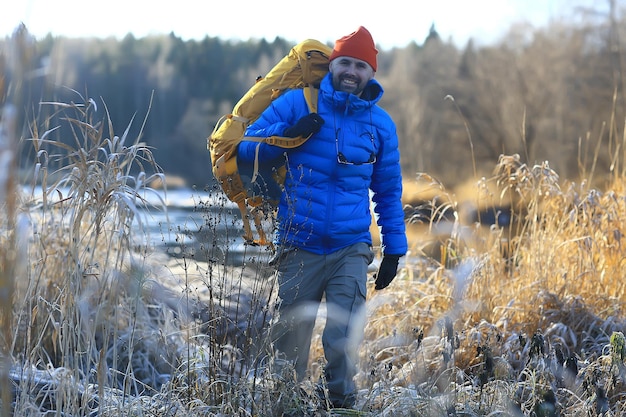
548 94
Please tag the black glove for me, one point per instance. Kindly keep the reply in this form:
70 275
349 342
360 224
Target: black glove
305 127
387 271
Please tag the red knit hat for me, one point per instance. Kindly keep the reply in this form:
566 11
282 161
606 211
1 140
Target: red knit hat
359 45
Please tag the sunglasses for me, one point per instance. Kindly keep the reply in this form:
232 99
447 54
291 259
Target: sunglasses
341 158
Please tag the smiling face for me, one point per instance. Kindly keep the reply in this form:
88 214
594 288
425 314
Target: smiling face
350 74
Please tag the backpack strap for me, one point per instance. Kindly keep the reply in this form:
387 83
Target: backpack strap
310 95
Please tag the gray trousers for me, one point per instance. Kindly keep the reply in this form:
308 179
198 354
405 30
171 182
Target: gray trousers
304 280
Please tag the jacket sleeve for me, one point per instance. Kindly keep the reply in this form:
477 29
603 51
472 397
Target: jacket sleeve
386 187
281 114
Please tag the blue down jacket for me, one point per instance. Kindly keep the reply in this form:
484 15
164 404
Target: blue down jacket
325 205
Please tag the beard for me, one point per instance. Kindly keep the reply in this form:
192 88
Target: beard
349 84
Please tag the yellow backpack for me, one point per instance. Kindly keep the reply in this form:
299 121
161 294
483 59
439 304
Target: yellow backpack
303 67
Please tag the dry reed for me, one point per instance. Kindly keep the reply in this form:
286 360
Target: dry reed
524 318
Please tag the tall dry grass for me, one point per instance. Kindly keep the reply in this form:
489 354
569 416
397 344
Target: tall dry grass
523 319
529 319
101 322
10 245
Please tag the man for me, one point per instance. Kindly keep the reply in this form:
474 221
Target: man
323 238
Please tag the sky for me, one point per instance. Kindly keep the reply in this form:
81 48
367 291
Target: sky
393 23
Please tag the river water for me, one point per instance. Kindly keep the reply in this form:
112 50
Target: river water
185 222
201 225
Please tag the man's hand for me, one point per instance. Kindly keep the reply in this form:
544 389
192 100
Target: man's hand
305 127
387 271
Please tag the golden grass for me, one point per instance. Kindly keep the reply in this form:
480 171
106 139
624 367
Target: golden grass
482 319
555 273
10 244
